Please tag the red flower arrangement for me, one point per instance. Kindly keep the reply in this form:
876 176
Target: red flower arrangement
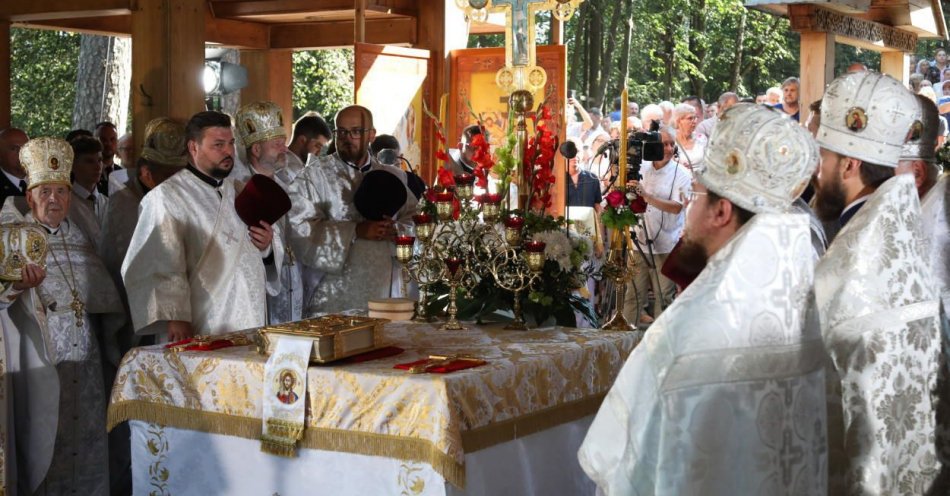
539 160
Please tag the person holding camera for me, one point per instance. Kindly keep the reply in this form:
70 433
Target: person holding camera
663 186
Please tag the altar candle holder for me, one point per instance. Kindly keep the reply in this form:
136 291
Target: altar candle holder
443 205
465 186
491 207
513 225
424 226
453 268
534 252
404 245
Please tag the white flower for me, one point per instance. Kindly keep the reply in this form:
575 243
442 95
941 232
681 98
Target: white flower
557 247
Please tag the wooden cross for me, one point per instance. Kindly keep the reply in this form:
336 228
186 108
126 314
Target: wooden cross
519 35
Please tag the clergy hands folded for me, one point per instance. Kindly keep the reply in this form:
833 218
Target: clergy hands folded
179 330
261 236
376 230
33 276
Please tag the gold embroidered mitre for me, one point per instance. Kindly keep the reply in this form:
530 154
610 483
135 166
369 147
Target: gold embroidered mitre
260 121
47 161
165 142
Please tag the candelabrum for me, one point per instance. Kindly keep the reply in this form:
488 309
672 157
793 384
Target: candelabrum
465 244
615 269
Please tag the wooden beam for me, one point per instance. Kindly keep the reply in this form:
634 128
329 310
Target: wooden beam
114 25
5 55
167 61
895 64
817 65
557 31
314 35
873 35
237 34
359 21
23 11
275 7
270 77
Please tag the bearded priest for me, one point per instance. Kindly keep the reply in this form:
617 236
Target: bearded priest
60 419
877 300
260 126
193 266
730 378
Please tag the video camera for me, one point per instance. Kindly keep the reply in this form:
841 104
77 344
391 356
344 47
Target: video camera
642 145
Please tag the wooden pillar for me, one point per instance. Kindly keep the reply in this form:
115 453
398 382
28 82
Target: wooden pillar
5 56
557 31
168 39
270 77
895 64
817 65
359 26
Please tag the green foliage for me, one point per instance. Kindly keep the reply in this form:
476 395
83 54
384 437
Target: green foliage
323 81
43 80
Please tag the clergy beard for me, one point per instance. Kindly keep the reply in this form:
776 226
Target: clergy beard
222 169
692 257
829 200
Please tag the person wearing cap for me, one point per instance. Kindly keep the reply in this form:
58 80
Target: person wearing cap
193 267
59 395
875 295
329 233
261 128
730 378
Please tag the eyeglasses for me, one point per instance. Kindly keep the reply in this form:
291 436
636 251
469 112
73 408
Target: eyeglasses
693 194
351 133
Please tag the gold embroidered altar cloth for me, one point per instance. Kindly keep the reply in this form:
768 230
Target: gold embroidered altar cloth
533 380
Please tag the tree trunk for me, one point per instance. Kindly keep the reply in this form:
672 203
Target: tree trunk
697 48
103 81
669 44
596 44
735 70
576 69
607 58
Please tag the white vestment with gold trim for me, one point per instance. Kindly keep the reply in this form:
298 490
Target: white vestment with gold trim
191 259
725 394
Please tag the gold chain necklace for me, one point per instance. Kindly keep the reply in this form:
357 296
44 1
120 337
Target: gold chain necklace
76 305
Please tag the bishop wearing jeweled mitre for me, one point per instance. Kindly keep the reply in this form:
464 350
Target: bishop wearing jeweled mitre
58 393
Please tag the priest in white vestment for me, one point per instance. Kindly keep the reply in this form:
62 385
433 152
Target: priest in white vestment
725 394
329 235
260 126
193 267
877 301
61 436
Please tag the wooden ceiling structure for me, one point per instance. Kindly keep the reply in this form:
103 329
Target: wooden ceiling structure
891 27
169 38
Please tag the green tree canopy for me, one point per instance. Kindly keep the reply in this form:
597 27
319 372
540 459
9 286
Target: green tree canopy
323 81
43 80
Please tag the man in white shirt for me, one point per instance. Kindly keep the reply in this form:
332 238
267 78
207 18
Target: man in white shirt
664 186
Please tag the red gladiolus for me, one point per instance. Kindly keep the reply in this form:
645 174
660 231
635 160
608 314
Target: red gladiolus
446 178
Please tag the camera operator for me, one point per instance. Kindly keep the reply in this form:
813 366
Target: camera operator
664 185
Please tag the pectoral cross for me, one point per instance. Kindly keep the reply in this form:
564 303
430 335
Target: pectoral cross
229 237
519 37
78 308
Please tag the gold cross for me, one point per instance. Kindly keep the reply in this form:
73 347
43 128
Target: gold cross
78 308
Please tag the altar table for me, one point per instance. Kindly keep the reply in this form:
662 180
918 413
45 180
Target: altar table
511 426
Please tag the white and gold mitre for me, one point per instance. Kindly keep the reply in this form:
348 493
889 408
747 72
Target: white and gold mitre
758 159
165 142
47 161
260 121
922 141
867 116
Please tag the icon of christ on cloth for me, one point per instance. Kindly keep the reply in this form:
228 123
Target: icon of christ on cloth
286 394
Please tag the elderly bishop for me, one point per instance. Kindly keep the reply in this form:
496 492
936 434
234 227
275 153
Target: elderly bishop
261 129
730 379
75 303
193 267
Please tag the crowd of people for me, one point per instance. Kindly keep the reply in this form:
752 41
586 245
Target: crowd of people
156 251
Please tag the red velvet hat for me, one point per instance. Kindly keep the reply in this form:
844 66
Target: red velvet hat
678 269
261 200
